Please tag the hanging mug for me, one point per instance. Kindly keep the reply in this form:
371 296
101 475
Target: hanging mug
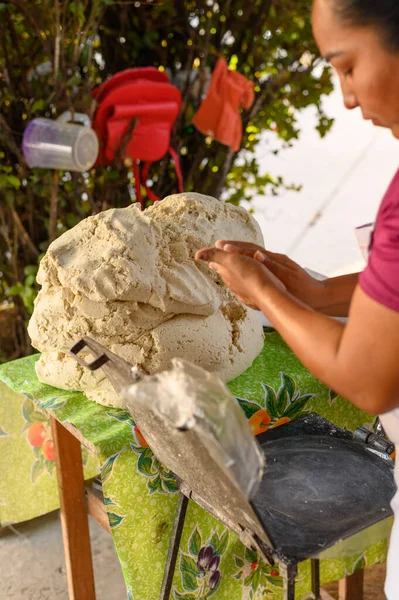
60 144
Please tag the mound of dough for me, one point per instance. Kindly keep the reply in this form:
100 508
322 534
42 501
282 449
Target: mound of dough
128 279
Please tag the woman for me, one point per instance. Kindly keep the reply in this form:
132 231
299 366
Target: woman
358 359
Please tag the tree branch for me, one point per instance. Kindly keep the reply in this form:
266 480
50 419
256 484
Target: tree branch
23 234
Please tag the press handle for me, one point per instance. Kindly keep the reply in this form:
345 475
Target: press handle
100 357
120 373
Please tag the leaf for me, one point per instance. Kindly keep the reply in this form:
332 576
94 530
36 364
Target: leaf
144 463
156 464
53 403
219 544
14 181
122 417
2 432
306 397
27 409
15 290
106 469
195 543
276 582
170 485
332 396
179 596
250 555
37 469
30 270
249 408
29 281
38 417
288 383
248 581
166 474
282 401
190 572
155 485
50 467
109 502
114 519
257 578
3 180
37 452
298 405
239 562
38 105
270 401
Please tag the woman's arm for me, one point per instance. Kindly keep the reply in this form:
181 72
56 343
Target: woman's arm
337 295
358 360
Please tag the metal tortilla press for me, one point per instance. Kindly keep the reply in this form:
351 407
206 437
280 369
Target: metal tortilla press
294 493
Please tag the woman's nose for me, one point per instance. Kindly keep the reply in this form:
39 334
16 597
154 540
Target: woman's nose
349 97
350 100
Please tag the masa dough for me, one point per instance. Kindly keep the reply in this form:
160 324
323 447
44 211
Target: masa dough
128 279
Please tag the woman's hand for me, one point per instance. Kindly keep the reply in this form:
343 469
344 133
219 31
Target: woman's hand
244 275
295 279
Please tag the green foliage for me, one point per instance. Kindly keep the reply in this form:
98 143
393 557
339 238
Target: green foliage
287 401
27 288
54 52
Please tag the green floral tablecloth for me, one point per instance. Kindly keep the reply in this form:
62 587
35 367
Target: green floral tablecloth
141 495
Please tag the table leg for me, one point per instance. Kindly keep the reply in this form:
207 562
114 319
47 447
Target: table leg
315 569
174 546
288 573
74 519
351 588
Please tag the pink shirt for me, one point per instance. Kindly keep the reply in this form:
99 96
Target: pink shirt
380 279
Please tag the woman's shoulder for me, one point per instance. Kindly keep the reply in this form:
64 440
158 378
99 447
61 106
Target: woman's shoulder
380 279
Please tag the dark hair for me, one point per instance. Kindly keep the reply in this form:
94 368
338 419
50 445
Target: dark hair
383 14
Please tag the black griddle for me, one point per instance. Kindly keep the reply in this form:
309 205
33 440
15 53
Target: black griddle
320 485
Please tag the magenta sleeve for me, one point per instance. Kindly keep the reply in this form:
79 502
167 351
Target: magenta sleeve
380 279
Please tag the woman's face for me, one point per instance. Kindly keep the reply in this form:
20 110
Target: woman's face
368 71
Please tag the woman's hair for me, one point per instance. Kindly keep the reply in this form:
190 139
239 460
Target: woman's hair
383 14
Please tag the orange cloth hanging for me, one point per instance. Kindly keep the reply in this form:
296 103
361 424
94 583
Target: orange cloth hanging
218 115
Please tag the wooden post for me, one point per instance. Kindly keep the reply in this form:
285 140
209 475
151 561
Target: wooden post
351 588
74 519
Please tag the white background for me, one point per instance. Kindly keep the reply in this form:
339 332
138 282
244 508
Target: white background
344 177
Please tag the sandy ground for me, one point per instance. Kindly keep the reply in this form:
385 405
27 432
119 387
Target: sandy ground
32 563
